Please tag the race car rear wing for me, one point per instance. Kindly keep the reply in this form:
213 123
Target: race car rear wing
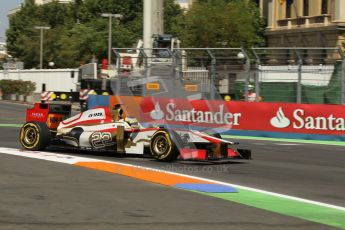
52 114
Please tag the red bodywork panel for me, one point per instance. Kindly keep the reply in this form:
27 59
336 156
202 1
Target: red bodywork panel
200 154
232 153
39 113
52 114
194 154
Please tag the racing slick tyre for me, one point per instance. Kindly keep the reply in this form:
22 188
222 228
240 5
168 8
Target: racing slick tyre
34 136
162 146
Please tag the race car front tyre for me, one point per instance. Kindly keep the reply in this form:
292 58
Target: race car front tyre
34 136
162 146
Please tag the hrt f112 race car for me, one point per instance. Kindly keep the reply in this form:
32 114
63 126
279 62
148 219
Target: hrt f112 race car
106 129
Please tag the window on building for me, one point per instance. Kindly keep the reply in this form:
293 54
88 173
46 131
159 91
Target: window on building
324 7
305 7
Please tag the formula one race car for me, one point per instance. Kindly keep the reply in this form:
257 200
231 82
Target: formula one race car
106 129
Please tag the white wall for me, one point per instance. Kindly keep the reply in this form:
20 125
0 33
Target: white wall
55 79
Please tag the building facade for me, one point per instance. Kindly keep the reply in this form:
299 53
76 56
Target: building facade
304 23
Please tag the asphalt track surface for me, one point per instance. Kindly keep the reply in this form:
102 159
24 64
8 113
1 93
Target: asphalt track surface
36 194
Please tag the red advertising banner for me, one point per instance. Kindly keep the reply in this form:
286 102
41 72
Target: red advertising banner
259 116
201 113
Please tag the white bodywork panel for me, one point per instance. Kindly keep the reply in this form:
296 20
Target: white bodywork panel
87 116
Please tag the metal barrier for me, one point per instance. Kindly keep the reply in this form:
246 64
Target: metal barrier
184 72
298 75
196 74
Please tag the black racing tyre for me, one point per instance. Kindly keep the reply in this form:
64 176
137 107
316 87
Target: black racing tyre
34 136
162 146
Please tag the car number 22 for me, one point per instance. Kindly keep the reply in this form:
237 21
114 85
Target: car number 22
101 139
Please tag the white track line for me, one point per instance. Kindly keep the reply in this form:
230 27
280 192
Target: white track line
68 159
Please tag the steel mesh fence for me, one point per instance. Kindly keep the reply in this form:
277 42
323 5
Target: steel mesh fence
296 75
300 75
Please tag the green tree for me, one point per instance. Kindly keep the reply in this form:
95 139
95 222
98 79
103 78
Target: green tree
223 23
78 32
173 18
24 40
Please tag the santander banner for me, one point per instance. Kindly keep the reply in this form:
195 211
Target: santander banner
201 113
260 116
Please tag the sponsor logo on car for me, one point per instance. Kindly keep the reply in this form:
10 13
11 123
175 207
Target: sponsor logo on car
96 115
37 115
54 120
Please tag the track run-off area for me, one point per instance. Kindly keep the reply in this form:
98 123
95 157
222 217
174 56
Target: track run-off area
289 184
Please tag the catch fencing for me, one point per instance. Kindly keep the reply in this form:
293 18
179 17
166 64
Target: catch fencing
300 75
296 75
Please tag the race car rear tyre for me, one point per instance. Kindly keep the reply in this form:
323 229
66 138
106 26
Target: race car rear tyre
34 136
162 146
